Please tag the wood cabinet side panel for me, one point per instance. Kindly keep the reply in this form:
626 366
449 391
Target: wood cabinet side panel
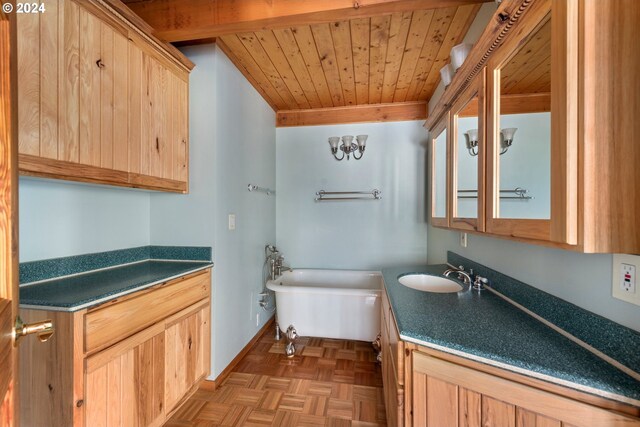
609 92
181 153
48 371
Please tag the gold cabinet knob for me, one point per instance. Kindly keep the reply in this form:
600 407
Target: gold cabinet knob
44 329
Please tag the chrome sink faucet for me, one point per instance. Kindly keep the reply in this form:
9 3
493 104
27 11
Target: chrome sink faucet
462 275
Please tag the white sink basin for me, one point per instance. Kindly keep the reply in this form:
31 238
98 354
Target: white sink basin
427 283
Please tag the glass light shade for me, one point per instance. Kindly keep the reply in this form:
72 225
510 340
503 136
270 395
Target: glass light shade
459 53
508 133
446 73
472 137
347 140
362 140
334 141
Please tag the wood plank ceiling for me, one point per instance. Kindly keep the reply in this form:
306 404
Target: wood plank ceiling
529 71
392 58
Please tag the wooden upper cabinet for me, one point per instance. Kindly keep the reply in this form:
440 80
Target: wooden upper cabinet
440 152
468 151
560 162
99 100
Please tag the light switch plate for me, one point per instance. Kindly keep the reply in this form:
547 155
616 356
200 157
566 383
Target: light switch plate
624 284
464 240
232 221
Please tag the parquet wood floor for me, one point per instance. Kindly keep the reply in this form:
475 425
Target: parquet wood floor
329 383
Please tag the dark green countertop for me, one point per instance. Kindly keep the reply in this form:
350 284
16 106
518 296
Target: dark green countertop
88 289
484 327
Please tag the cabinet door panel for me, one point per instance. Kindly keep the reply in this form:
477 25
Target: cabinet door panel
157 110
28 25
469 408
49 81
90 47
526 418
135 94
185 360
69 116
497 414
120 102
149 376
128 390
419 398
97 395
107 74
443 410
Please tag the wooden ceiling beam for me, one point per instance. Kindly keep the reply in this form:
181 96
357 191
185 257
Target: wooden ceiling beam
393 112
179 20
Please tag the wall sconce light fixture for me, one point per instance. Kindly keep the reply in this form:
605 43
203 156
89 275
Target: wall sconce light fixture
506 139
348 146
472 141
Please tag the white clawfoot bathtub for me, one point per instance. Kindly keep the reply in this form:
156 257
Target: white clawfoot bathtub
343 304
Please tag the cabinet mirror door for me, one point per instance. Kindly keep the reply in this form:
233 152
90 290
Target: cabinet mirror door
468 152
439 173
519 138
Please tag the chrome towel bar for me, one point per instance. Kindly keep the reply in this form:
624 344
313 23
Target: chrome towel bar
267 191
321 196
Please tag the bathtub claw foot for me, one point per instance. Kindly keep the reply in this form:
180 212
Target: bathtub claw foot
291 334
376 343
290 350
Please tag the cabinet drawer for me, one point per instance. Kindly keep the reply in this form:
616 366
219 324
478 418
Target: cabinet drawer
107 325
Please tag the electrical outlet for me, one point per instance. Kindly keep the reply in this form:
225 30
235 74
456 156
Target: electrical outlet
232 221
628 278
463 240
624 278
257 319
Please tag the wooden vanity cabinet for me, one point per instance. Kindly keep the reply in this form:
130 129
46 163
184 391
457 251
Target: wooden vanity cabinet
543 57
100 99
129 362
447 394
424 387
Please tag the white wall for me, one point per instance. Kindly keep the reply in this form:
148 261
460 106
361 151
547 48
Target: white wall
354 234
232 144
59 218
582 279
